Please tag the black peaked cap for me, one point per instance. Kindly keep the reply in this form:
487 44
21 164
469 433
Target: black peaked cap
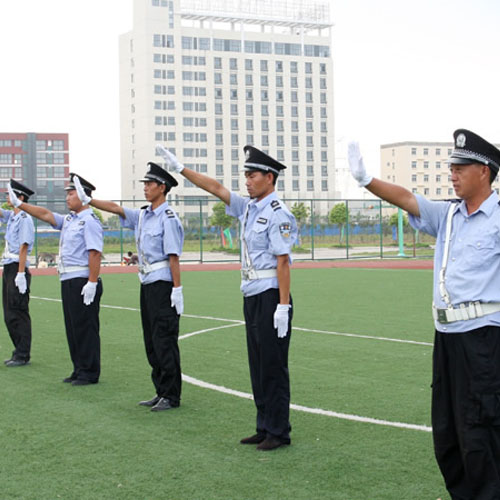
87 186
471 148
19 188
157 174
255 159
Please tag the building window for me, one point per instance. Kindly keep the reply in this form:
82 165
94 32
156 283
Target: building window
310 185
324 185
295 185
414 178
426 151
263 65
235 184
413 164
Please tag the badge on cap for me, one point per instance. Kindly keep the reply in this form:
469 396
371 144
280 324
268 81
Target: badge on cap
461 140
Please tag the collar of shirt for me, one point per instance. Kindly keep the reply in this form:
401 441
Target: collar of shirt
487 207
261 204
80 214
159 209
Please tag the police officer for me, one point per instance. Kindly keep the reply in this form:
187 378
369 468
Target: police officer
268 233
466 309
159 237
16 280
79 264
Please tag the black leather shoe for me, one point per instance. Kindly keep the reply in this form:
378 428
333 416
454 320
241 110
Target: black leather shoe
7 361
164 404
271 443
80 381
69 379
150 402
17 362
255 439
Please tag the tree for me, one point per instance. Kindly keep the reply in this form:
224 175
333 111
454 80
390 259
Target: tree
301 214
98 215
338 215
113 222
393 220
220 219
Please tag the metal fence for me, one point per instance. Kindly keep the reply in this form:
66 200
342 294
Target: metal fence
328 229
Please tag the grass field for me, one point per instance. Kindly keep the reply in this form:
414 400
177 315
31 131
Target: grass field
95 442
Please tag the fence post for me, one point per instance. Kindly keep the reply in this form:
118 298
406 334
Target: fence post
381 229
347 228
201 233
121 238
36 240
312 230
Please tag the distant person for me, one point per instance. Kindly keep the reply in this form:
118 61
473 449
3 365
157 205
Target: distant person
16 279
79 264
132 259
159 236
466 310
267 236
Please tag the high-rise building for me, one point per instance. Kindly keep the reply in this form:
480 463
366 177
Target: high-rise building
206 77
421 167
41 161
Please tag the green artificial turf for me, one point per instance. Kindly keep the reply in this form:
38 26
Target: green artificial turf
95 442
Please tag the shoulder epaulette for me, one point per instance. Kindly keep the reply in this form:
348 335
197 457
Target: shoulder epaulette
23 214
275 205
170 213
144 207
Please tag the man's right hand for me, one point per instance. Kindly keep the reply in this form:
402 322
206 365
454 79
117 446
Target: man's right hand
84 198
14 200
356 165
173 164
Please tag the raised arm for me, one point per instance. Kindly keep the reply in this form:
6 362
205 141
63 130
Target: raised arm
41 213
107 206
202 181
397 195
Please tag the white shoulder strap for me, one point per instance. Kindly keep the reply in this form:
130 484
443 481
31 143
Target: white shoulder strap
442 288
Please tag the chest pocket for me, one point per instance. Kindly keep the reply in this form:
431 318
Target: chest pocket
481 250
259 236
74 235
152 241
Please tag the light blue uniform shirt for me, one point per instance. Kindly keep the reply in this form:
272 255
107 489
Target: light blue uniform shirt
473 269
20 230
80 232
270 230
161 234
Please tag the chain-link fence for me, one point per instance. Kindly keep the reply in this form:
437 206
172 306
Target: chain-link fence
328 229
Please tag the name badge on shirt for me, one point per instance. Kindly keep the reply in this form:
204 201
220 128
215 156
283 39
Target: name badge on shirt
261 220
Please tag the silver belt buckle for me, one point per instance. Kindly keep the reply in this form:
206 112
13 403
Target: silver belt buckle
142 269
441 316
244 274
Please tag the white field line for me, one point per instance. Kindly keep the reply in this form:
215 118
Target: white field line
305 409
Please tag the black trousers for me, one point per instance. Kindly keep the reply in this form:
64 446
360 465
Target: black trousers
268 361
16 311
160 326
82 329
466 412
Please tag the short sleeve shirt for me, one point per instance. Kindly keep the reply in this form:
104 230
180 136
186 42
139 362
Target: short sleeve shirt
473 267
270 230
80 232
161 234
20 230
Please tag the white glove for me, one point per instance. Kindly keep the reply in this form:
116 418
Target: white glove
357 166
177 299
88 292
15 201
20 281
173 164
281 319
84 198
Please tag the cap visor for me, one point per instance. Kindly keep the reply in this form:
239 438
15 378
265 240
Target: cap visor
461 161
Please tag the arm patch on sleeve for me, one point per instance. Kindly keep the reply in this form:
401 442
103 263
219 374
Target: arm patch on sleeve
285 228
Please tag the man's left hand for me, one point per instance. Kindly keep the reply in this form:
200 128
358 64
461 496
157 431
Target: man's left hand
20 281
281 319
88 292
177 299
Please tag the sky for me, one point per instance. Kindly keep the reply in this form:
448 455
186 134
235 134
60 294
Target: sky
403 71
